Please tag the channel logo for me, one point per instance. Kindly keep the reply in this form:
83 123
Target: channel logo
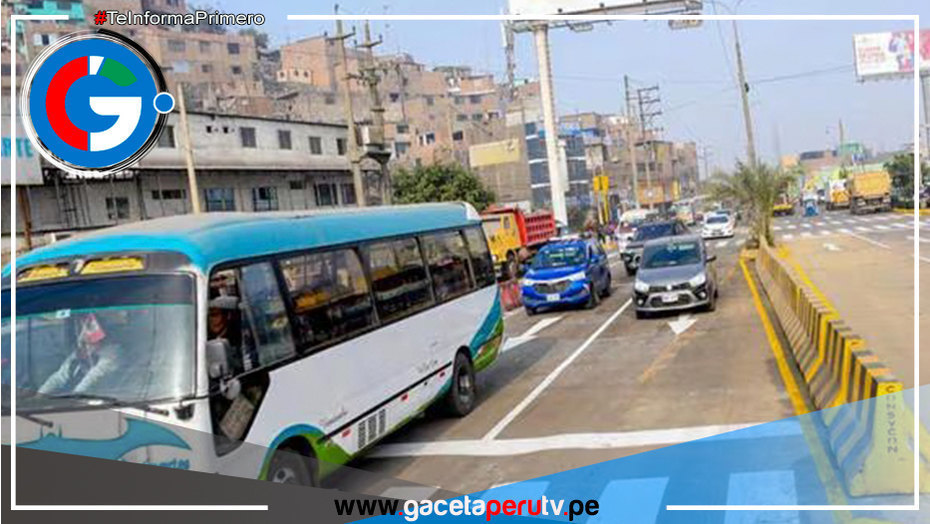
94 102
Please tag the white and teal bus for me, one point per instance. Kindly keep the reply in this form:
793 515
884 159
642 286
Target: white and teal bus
245 343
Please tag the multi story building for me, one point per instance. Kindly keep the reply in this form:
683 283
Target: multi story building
242 164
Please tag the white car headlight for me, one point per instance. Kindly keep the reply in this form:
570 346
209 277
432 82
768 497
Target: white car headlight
698 280
641 286
528 282
577 277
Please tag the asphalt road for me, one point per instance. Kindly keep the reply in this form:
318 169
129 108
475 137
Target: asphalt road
865 266
579 387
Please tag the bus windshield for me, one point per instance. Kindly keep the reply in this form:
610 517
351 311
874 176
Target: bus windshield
124 339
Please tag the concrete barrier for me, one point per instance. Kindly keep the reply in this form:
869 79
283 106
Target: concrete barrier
860 399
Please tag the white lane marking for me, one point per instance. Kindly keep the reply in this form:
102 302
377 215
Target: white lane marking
885 246
522 446
643 494
923 240
791 226
775 487
845 230
541 325
409 492
904 225
831 247
881 227
865 229
789 236
722 243
682 324
776 228
826 232
530 490
550 378
529 334
807 234
806 225
850 222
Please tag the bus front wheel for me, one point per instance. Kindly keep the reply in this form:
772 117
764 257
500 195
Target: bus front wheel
289 466
461 397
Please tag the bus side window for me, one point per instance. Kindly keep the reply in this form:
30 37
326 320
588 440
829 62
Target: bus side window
246 309
330 295
398 278
480 257
448 264
270 332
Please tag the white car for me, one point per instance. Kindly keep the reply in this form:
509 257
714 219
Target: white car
718 225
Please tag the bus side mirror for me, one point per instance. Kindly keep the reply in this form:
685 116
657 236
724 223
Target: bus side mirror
217 358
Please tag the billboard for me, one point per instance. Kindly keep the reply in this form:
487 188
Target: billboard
889 54
28 168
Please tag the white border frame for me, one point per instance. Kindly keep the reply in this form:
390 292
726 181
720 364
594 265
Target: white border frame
916 78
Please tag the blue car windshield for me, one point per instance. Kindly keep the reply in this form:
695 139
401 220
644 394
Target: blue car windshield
671 254
559 256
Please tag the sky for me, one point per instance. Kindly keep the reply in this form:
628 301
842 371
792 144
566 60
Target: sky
800 72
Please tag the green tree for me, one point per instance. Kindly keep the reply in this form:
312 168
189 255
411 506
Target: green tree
901 169
440 183
755 189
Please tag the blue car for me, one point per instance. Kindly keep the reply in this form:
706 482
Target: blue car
566 273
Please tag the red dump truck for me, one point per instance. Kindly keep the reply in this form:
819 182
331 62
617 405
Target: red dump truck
514 235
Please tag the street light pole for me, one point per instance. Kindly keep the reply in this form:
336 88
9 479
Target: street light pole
744 92
556 181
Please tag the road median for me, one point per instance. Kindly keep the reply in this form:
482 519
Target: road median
845 379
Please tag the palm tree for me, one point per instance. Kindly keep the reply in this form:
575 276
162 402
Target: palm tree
755 189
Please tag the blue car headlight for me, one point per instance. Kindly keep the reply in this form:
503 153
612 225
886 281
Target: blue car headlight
578 277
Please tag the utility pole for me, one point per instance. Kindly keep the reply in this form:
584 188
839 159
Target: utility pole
371 78
648 98
188 151
744 92
556 181
631 142
352 138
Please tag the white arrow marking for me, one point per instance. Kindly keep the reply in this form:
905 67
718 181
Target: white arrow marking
529 334
831 247
682 324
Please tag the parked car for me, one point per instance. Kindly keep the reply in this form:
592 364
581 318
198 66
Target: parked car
566 273
718 225
633 250
676 273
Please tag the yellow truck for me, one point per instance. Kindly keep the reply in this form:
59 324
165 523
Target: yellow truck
870 191
838 195
783 206
513 235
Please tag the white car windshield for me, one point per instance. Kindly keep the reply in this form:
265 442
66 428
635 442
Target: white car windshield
717 219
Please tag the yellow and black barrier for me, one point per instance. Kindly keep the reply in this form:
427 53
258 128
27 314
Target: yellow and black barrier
870 439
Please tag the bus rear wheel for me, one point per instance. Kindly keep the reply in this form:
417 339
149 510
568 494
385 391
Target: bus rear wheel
289 466
460 399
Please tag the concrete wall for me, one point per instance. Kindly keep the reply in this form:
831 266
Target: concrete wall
217 144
